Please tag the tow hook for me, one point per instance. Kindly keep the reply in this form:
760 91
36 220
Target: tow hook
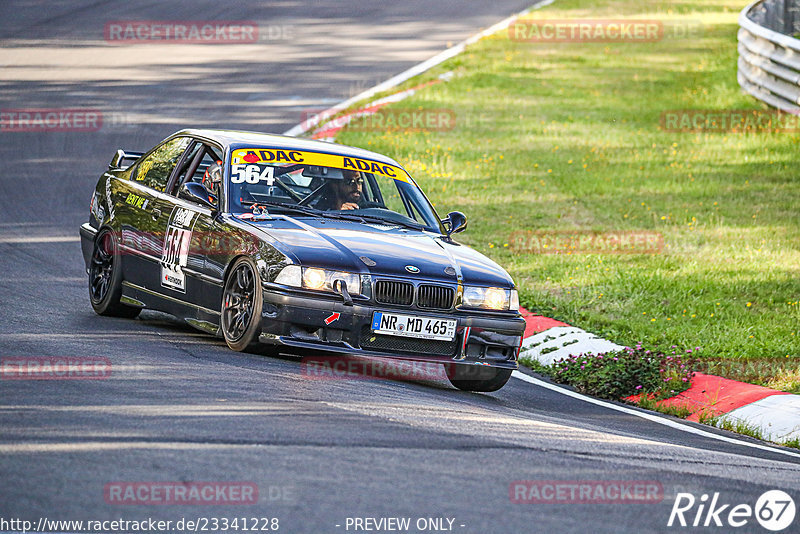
340 286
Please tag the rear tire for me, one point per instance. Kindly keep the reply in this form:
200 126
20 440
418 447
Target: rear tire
477 377
242 300
105 278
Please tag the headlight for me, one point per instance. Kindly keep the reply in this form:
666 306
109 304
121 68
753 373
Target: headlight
291 275
473 297
317 279
314 278
491 298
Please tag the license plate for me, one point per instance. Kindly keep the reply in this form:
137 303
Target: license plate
395 324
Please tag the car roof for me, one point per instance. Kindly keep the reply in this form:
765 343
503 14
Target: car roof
231 139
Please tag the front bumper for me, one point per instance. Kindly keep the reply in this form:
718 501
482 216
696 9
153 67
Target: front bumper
309 320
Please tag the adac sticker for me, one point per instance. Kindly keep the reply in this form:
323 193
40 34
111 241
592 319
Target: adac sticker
288 157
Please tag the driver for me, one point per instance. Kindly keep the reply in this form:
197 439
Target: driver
212 180
346 194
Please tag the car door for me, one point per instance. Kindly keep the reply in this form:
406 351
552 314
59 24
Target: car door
192 233
149 210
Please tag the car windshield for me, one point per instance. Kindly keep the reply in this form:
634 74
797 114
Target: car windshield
327 185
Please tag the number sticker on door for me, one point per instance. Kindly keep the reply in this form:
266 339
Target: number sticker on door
175 255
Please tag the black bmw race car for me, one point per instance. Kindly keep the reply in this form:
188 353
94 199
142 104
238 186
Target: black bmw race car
278 240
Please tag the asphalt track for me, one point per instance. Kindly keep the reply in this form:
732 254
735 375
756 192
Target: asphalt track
179 406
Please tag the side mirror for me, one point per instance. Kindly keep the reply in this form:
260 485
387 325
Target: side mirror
455 222
195 192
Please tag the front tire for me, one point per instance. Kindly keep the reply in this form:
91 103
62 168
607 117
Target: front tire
105 278
477 377
242 301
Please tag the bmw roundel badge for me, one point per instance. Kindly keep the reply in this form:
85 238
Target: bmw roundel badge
412 269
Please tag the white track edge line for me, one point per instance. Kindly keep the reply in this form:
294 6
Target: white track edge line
649 417
413 71
41 239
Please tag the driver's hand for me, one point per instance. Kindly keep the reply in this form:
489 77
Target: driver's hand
349 206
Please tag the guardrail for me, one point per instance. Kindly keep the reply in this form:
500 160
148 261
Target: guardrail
769 54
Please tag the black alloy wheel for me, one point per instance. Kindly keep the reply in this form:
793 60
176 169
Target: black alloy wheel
105 278
241 306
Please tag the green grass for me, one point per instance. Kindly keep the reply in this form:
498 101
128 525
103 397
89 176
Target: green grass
566 136
651 404
738 426
742 427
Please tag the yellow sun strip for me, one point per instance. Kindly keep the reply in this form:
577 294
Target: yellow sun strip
278 156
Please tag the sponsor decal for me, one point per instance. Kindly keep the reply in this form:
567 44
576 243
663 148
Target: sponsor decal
276 156
136 201
96 209
109 200
368 166
183 217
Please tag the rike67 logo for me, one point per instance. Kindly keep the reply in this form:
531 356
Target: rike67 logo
774 510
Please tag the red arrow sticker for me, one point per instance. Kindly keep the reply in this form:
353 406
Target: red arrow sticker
334 317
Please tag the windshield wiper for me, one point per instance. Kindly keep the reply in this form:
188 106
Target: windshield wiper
313 212
378 218
364 218
305 210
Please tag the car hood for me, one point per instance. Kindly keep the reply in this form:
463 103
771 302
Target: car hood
380 249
